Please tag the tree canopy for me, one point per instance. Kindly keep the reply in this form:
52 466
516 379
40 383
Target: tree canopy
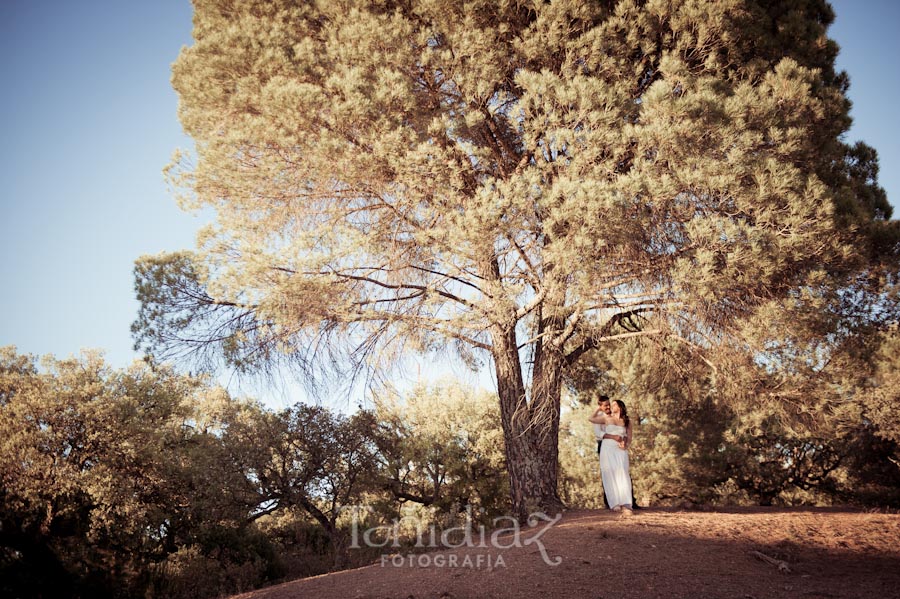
524 181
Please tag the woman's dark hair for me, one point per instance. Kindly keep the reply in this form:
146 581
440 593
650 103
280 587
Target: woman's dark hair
623 413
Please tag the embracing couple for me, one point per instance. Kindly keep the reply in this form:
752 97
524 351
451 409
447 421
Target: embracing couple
613 431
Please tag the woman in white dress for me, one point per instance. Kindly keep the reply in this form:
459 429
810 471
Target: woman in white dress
614 456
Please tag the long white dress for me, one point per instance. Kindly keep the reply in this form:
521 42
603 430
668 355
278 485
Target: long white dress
614 470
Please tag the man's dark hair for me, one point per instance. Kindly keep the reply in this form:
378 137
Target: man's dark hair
603 398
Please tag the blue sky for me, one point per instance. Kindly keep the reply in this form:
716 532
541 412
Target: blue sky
89 121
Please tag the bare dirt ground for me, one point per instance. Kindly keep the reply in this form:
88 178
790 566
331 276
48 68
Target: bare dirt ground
732 553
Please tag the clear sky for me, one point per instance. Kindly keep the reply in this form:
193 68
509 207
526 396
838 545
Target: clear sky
89 121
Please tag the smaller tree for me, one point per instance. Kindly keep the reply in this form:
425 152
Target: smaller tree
307 458
442 446
113 482
873 464
883 397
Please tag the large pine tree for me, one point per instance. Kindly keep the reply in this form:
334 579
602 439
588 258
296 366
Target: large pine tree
525 180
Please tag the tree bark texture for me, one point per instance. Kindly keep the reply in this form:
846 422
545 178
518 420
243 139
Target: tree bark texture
530 428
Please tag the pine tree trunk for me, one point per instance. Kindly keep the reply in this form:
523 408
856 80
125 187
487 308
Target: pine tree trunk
530 429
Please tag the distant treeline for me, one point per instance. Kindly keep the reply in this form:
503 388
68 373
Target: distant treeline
145 482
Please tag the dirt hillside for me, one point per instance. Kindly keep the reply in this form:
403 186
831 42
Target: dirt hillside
740 553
